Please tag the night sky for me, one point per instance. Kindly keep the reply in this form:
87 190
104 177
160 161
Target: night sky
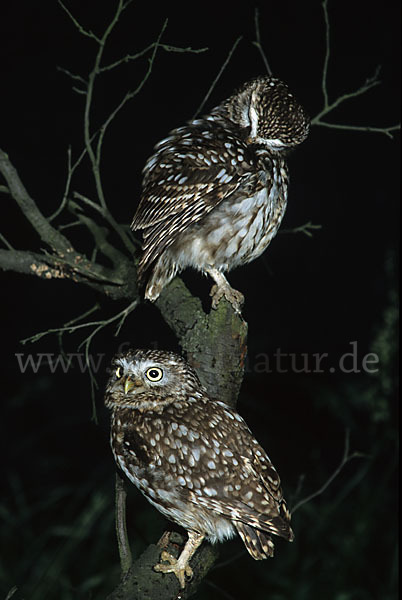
306 295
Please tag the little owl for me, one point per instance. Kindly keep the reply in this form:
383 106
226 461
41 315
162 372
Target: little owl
215 191
193 458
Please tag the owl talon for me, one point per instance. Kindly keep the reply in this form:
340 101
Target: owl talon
235 297
175 567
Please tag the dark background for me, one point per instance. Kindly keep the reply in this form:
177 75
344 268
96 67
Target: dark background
303 296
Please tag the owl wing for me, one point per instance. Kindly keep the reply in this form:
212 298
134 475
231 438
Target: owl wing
244 487
265 509
193 171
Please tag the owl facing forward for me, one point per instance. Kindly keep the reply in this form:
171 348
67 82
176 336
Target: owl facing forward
193 458
215 191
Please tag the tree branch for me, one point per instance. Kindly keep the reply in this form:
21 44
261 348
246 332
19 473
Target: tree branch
83 31
215 343
345 459
306 228
121 527
257 42
330 106
47 233
95 158
215 81
131 57
66 262
29 263
141 581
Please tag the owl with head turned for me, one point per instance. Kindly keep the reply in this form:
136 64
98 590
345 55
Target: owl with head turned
215 190
193 458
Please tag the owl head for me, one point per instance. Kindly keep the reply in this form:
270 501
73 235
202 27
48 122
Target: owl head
271 113
148 379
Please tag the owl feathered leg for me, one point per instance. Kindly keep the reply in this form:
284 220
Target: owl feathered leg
222 288
179 566
166 269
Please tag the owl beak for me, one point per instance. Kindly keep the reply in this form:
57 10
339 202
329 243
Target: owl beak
128 385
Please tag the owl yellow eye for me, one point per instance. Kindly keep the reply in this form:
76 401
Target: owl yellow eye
154 374
118 372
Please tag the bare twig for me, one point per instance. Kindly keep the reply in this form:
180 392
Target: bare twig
88 104
130 57
95 155
385 130
330 106
81 29
70 171
128 96
73 76
11 592
99 234
306 228
215 81
257 42
345 459
70 327
83 315
28 206
4 190
66 262
6 242
121 526
327 53
121 317
69 225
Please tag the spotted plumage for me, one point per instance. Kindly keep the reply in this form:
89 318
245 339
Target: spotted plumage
215 191
193 458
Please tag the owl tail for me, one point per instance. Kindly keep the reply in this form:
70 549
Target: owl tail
258 543
161 275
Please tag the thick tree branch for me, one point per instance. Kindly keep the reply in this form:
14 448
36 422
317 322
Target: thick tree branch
66 259
65 262
142 582
121 284
39 222
215 343
29 263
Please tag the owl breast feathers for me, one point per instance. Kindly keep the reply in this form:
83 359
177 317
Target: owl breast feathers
193 458
215 191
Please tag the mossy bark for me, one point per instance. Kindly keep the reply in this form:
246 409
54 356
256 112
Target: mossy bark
215 343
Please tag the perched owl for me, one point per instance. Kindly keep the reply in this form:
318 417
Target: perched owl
215 191
193 458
